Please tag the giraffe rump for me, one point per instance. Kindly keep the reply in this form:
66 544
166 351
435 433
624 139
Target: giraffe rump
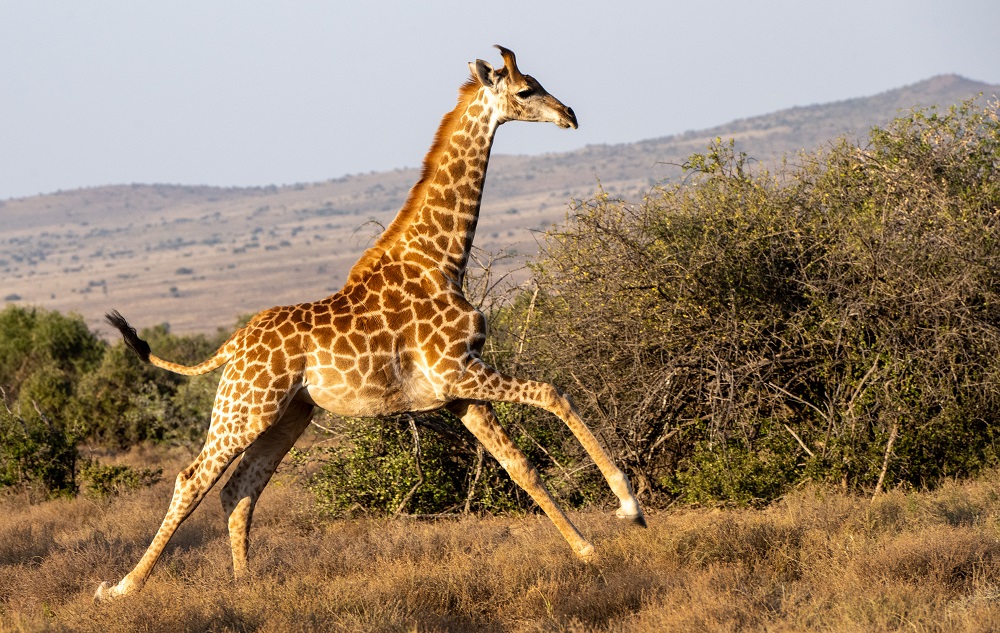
136 344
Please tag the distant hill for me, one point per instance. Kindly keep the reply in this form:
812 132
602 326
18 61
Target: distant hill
197 257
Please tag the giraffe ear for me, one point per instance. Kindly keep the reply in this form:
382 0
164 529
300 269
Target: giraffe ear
483 73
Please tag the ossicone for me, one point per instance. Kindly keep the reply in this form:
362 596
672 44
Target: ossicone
509 62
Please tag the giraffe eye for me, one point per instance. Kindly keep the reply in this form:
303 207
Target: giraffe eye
524 93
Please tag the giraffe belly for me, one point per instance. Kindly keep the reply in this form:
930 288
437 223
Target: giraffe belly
370 399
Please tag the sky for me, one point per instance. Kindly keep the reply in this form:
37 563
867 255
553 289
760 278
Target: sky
261 92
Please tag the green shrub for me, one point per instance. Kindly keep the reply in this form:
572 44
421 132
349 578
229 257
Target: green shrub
739 332
118 406
42 357
730 472
378 467
32 337
123 401
108 480
34 451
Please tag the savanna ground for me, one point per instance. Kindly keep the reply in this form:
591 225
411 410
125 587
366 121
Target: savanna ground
818 559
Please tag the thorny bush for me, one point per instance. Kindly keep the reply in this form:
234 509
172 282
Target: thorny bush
741 332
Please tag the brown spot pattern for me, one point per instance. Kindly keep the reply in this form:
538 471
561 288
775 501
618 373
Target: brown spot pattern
400 336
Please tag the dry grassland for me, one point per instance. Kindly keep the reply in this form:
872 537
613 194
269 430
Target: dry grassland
818 560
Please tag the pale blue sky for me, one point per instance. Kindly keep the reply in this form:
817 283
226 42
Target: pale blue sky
246 92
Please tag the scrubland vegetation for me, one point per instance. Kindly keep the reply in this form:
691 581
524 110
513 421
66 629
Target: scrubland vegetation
840 321
798 368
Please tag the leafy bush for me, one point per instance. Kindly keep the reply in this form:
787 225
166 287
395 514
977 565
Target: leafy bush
32 337
60 385
118 406
124 401
394 465
42 356
378 466
34 451
740 332
108 480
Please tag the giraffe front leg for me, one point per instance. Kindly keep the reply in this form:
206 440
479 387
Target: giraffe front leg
551 399
482 382
481 420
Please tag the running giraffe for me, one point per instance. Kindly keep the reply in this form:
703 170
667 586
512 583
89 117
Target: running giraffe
399 337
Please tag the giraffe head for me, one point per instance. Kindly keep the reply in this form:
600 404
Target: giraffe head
520 97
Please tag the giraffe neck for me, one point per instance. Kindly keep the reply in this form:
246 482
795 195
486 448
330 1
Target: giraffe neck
437 224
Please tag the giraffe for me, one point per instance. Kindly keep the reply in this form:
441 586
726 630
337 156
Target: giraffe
400 336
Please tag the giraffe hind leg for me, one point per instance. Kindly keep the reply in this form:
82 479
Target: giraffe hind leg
239 495
225 441
482 421
190 488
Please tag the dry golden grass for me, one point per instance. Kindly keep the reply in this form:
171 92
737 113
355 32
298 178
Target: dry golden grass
818 560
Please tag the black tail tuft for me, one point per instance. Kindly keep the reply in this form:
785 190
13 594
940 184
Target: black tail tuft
132 339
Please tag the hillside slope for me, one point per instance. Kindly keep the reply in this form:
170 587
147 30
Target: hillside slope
197 257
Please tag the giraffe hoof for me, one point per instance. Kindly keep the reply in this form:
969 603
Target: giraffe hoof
587 553
636 518
104 593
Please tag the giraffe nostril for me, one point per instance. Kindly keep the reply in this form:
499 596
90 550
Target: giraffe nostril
572 117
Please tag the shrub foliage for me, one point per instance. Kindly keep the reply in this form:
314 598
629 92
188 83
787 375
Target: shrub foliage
36 452
740 332
61 385
107 480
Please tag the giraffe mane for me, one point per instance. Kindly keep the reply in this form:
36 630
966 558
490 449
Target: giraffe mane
411 208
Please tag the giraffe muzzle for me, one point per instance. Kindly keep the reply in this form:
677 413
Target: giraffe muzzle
570 119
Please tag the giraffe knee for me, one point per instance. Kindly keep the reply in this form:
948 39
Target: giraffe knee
520 469
239 515
192 478
183 478
552 395
558 402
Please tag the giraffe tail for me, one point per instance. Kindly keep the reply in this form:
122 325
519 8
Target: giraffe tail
141 348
